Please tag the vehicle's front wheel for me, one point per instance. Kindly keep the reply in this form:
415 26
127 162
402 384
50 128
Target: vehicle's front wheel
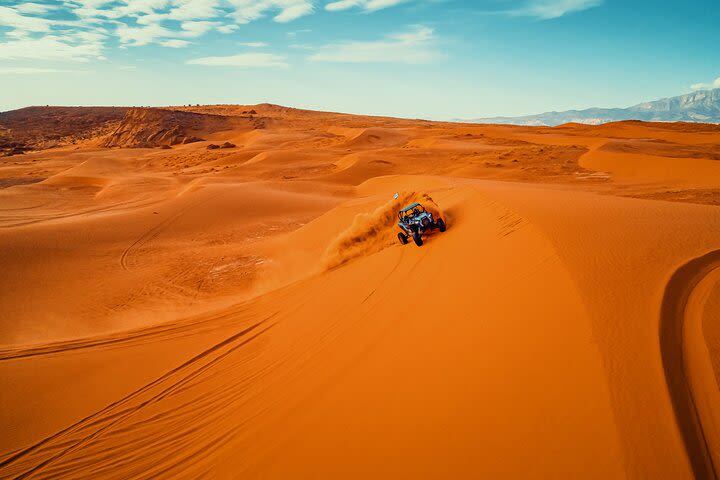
441 225
403 238
418 239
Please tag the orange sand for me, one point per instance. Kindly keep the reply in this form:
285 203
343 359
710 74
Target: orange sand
247 313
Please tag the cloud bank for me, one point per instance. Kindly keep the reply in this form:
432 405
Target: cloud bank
413 47
706 86
247 60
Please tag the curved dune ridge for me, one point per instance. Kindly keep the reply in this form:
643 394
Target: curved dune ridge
687 362
248 312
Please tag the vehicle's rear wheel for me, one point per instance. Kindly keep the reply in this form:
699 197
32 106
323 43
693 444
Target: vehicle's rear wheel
403 238
441 225
418 239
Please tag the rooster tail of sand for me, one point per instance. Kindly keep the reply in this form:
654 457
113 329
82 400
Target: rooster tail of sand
372 232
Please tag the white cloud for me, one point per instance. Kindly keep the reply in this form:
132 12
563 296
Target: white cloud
194 9
227 28
248 60
10 17
156 33
138 36
80 47
413 47
253 44
367 5
132 22
248 10
175 43
196 28
293 12
343 5
135 8
36 38
26 70
81 30
549 9
706 86
294 33
35 8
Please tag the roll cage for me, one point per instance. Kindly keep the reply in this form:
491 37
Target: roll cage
410 211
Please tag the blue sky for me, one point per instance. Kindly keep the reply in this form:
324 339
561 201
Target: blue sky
438 59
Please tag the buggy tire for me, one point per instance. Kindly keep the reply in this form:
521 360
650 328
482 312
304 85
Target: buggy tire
418 239
441 225
403 238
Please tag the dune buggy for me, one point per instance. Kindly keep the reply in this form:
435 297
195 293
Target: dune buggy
415 221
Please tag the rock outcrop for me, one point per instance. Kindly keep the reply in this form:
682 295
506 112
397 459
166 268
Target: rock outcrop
38 128
155 127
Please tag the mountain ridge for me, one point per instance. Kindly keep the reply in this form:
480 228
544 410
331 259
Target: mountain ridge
701 106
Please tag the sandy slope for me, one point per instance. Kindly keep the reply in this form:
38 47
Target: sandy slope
248 313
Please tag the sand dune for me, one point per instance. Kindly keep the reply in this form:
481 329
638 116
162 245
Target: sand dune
247 312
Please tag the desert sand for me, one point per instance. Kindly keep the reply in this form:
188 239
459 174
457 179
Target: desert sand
173 310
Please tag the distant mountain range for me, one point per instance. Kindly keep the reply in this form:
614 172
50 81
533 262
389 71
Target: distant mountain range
700 106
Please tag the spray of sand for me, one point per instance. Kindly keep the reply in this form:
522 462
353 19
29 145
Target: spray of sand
374 231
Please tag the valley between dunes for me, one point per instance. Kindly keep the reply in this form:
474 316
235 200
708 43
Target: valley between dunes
173 310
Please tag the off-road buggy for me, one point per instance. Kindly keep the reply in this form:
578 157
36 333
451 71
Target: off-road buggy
415 221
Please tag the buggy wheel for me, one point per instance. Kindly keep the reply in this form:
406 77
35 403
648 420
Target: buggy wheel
417 238
441 225
403 238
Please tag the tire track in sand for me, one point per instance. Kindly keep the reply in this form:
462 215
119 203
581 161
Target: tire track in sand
158 229
672 345
73 437
149 235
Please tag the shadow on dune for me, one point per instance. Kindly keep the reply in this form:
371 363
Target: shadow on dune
672 317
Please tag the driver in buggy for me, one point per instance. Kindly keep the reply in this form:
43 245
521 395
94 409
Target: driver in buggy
407 218
415 221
